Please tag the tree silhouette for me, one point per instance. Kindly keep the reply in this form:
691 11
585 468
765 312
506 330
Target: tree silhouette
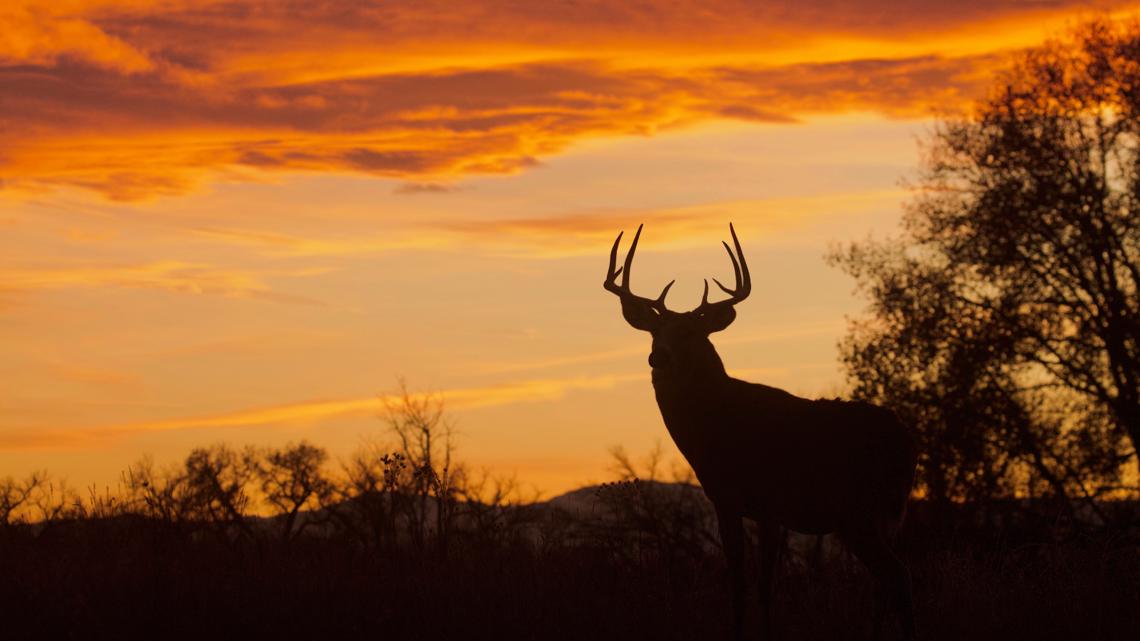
164 495
292 479
216 480
371 489
1004 322
17 495
426 479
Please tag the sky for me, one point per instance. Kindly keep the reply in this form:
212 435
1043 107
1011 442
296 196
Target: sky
247 221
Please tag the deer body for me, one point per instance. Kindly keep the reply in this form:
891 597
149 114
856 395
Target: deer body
749 443
813 466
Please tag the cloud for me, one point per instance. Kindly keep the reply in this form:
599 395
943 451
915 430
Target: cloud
567 234
530 391
410 188
280 244
36 35
170 276
136 138
293 42
138 100
585 233
764 335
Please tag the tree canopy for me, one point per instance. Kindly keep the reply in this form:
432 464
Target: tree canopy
1004 321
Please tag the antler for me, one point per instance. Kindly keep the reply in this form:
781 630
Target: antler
743 279
623 290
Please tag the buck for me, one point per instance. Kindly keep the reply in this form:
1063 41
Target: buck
811 466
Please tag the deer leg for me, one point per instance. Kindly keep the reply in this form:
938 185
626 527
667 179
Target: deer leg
890 573
771 545
732 538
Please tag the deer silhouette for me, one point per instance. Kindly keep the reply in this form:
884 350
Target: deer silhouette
812 466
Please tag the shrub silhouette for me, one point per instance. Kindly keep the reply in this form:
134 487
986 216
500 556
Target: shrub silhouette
635 558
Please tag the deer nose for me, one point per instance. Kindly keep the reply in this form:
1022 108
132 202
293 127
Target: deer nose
658 359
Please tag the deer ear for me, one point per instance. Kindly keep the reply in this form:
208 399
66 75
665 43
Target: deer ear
640 315
717 318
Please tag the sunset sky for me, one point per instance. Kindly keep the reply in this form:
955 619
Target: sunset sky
243 221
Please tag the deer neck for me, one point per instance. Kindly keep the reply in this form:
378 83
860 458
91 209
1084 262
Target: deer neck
696 380
686 395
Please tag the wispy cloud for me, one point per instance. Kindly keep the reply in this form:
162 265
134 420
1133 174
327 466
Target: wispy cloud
315 411
281 244
567 234
411 188
760 335
171 276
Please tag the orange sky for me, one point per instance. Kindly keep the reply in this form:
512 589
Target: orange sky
243 221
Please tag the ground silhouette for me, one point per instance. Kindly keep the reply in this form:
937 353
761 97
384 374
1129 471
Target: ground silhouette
633 559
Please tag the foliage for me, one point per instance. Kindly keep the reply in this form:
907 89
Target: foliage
1005 322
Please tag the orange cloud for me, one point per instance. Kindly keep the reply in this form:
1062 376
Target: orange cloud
569 234
171 276
768 334
88 129
271 42
137 100
312 411
34 34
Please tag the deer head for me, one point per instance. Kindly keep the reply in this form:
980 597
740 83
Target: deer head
680 339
